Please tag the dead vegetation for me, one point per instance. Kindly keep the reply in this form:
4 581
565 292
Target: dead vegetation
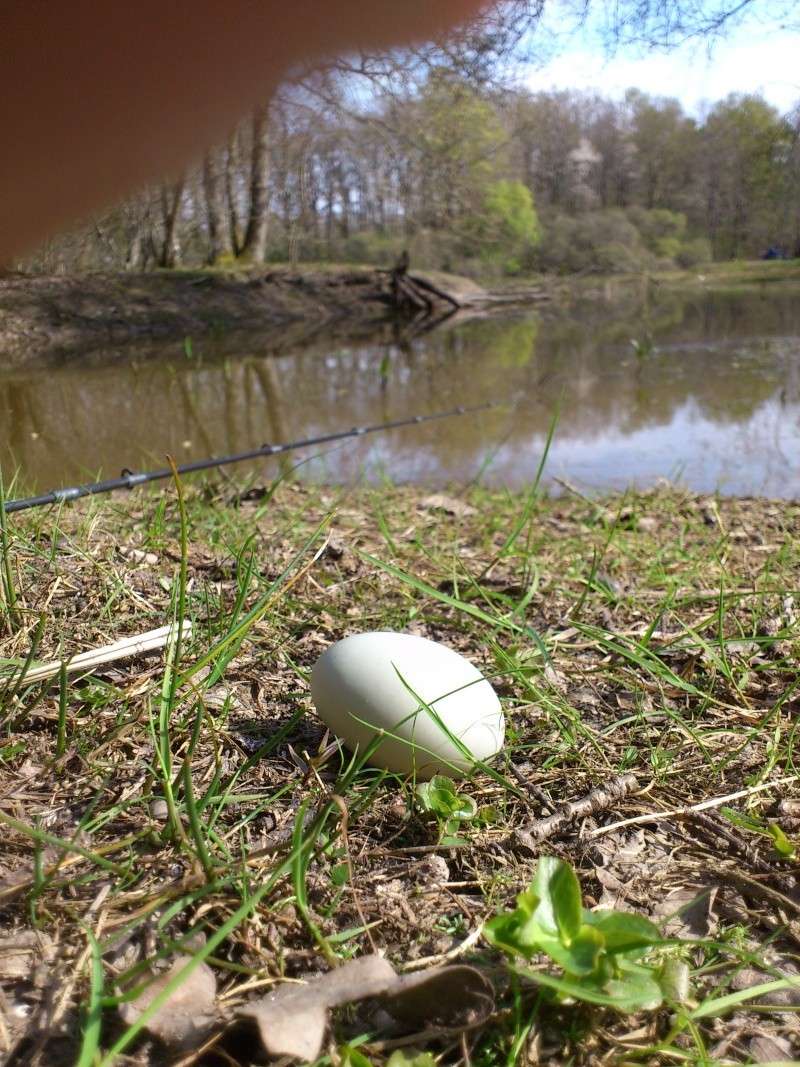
179 831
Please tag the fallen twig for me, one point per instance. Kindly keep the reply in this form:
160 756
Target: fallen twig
597 800
96 657
676 813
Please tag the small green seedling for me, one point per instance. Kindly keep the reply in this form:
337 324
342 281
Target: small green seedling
600 952
785 848
783 845
439 797
352 1057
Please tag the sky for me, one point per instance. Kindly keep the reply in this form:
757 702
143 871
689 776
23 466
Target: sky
752 58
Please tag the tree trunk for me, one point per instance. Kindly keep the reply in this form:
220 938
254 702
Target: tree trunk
170 205
255 238
219 235
135 254
231 163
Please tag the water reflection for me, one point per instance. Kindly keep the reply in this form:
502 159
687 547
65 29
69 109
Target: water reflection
715 403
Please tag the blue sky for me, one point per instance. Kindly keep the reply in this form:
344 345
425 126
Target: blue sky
754 57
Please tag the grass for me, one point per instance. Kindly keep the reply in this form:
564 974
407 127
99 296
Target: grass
191 798
734 274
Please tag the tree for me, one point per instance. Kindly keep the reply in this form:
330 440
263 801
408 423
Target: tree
457 142
545 131
254 247
667 23
171 197
508 228
665 142
745 146
219 234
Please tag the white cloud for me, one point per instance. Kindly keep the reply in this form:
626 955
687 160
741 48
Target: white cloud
747 62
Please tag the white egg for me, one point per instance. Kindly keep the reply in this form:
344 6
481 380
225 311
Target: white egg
382 681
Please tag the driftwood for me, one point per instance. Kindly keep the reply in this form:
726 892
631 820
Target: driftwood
598 800
411 291
429 287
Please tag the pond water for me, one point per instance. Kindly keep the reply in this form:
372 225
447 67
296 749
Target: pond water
710 400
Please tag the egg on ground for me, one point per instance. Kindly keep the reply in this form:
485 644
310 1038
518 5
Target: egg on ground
437 711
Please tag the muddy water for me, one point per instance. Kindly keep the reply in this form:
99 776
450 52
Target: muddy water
711 399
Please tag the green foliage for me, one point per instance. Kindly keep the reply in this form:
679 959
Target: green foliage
350 1056
457 138
695 252
667 248
785 848
8 593
410 1058
508 228
615 241
600 952
745 138
599 240
658 225
783 845
439 797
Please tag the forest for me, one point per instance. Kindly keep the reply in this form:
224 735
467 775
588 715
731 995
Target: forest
468 175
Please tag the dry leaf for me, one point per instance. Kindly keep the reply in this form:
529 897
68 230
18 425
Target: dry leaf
449 504
455 996
187 1012
21 953
769 1048
292 1021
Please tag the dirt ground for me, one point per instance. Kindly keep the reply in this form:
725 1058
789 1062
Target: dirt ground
649 640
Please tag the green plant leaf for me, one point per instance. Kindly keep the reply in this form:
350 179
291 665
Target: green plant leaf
580 957
548 919
438 796
410 1058
674 980
721 1005
635 988
544 911
624 931
564 892
351 1057
488 815
513 932
630 993
466 808
781 843
340 874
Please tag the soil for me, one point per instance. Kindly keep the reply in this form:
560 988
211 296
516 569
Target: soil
670 626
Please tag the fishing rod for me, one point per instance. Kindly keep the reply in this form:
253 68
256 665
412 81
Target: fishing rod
129 480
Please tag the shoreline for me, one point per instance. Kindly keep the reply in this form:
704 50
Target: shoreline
51 320
56 319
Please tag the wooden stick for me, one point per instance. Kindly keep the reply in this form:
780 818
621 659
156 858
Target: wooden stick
676 813
532 836
122 649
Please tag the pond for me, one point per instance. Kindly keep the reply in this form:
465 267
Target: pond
709 397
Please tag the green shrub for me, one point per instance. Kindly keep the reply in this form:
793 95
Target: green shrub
505 231
693 253
667 247
599 240
656 225
380 249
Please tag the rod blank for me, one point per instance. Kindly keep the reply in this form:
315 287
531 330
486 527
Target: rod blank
129 479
